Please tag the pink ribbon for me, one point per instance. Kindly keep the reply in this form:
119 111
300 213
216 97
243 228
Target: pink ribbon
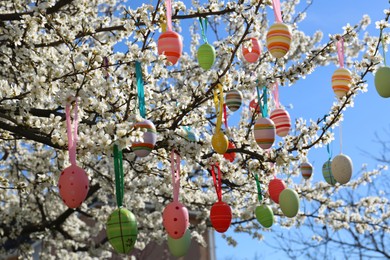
340 51
175 169
225 116
168 5
277 11
72 139
275 92
217 185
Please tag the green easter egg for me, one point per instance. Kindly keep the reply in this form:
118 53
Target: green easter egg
122 230
327 173
264 215
382 81
179 247
289 202
206 56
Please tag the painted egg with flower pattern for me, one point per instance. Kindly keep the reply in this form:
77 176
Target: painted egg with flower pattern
143 148
73 186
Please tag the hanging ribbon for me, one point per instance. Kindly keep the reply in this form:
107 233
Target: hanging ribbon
119 183
217 185
218 102
275 92
140 89
175 169
277 11
264 105
340 51
383 50
72 138
259 196
225 116
328 148
168 6
203 25
105 66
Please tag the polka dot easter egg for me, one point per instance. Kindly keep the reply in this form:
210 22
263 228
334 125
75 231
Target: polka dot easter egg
252 52
175 219
73 186
170 44
278 40
142 149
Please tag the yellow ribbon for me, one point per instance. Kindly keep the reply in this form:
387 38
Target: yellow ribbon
218 102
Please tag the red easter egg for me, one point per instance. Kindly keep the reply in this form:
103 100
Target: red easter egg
282 121
254 105
252 54
221 216
175 219
170 44
275 187
230 156
73 185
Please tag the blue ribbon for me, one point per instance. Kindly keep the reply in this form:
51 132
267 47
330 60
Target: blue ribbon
140 89
264 105
203 26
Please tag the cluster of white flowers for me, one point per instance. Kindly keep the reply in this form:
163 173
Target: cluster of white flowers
50 52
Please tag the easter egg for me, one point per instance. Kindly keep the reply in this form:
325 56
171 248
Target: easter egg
233 99
382 81
252 52
220 142
341 82
190 135
342 168
122 230
282 121
232 155
206 56
73 186
142 149
306 170
254 105
278 40
264 215
170 44
179 247
327 172
275 187
220 216
264 132
289 202
175 219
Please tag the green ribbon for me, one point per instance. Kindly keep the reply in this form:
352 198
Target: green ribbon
140 89
259 196
264 105
203 25
118 167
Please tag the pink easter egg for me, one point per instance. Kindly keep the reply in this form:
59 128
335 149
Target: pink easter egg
282 121
170 44
264 132
175 219
252 54
73 186
142 149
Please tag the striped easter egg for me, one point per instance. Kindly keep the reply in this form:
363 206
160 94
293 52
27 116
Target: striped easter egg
275 187
206 56
264 215
278 39
233 99
170 44
341 82
220 216
122 230
327 172
73 186
306 170
282 121
264 132
142 149
252 53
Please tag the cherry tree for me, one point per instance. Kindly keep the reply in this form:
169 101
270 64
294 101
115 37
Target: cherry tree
51 50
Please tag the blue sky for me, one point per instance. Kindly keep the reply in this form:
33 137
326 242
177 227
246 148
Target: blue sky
312 98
